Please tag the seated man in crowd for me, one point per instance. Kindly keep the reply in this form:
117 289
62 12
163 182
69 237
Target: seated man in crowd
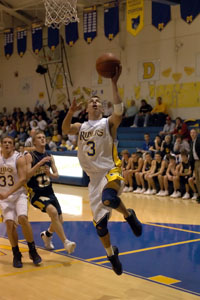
192 184
125 158
168 127
184 172
159 113
181 129
171 173
129 115
166 146
155 176
156 145
144 113
141 176
181 144
134 165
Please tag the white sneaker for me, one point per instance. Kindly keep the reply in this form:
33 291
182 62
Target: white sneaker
153 192
178 194
186 196
195 196
47 241
125 190
174 194
69 246
134 126
148 192
165 193
159 193
137 191
130 189
142 191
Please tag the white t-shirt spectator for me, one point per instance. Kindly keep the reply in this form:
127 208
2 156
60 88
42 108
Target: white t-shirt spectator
42 125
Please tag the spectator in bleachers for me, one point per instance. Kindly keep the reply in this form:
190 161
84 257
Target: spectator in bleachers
28 113
159 113
181 144
171 173
155 176
22 136
4 132
166 146
42 124
156 145
51 145
144 113
28 142
34 122
168 127
72 140
192 185
125 158
135 164
141 176
11 131
129 116
147 143
183 174
195 158
181 129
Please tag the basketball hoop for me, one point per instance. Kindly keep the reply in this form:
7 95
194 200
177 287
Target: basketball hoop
59 12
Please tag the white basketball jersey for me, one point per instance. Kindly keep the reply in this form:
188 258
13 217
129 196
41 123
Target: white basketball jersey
8 173
96 150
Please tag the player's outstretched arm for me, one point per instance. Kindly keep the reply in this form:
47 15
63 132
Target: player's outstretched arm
116 117
21 171
67 127
30 171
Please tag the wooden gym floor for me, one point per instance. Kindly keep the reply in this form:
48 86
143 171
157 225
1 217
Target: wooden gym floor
163 264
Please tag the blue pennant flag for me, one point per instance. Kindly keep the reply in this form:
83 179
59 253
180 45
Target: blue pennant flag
53 38
189 10
111 19
161 15
71 33
21 40
37 42
90 23
8 42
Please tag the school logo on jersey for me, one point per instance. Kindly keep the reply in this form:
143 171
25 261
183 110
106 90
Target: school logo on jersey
86 135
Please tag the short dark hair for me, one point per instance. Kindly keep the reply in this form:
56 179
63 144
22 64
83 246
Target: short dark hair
184 152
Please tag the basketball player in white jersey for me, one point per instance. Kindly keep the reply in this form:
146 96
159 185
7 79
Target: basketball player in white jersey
98 157
13 200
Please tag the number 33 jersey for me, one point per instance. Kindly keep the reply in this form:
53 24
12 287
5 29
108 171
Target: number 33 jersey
8 173
96 149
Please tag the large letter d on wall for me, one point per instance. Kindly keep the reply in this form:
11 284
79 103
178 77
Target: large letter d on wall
149 70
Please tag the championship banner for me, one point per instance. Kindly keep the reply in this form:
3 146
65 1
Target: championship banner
71 33
161 15
53 38
111 19
8 42
37 42
189 10
21 40
90 23
134 16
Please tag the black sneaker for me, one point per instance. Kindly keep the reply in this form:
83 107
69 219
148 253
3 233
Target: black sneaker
134 223
17 260
116 265
34 256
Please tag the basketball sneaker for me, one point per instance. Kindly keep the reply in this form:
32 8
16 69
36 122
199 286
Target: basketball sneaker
17 260
47 241
115 262
34 256
186 196
69 246
134 223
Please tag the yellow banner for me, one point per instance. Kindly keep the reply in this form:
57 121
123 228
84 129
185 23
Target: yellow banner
134 16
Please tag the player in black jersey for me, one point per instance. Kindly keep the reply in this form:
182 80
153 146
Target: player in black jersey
40 169
141 176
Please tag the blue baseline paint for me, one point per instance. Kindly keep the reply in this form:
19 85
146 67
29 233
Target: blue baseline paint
181 262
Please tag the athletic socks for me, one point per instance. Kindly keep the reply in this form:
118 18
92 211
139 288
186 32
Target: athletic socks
109 251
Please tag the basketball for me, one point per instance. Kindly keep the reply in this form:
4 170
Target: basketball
106 65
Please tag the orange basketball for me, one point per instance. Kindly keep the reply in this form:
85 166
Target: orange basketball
106 65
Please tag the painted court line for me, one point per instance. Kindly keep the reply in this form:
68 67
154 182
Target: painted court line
173 228
143 250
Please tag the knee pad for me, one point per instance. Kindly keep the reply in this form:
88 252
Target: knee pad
101 227
110 198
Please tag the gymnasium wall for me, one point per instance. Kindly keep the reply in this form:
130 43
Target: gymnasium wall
175 49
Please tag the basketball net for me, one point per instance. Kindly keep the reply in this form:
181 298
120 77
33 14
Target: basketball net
60 12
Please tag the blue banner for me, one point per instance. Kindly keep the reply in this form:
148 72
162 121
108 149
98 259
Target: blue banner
111 19
71 33
90 23
161 15
8 42
189 10
37 42
21 40
53 38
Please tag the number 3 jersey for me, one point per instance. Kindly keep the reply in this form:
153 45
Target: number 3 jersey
96 149
40 183
8 173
